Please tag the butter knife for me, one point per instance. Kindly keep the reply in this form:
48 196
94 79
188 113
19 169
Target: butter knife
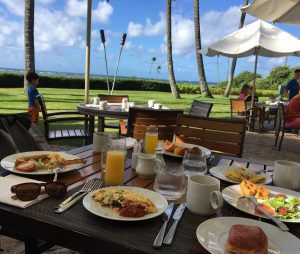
176 217
278 222
166 216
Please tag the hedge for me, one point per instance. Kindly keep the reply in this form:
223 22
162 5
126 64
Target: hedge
15 80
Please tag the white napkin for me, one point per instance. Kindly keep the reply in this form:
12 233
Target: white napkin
5 196
130 142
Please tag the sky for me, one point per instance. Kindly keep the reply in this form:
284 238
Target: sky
60 32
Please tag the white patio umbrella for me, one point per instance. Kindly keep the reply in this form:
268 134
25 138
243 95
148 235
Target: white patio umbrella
277 11
257 38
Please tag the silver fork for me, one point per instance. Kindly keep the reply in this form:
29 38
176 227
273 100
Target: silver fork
89 186
278 222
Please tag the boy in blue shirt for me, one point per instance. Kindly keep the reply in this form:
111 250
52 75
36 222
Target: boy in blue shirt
33 106
293 86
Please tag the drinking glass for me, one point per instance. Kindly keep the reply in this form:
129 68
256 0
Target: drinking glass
194 162
170 181
151 139
115 162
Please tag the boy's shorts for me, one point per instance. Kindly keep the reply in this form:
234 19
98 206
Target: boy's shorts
34 114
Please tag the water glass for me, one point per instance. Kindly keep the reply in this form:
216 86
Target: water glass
170 181
151 140
115 162
194 162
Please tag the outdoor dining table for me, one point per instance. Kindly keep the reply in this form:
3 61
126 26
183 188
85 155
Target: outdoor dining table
114 110
82 231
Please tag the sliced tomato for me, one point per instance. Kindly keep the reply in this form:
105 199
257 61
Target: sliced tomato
26 166
280 195
267 208
282 210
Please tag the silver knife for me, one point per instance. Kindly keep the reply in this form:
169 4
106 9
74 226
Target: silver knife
176 217
279 223
160 236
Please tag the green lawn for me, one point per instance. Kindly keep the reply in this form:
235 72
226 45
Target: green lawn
13 100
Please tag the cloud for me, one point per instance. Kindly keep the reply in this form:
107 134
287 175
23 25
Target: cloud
148 29
15 7
77 8
214 25
102 13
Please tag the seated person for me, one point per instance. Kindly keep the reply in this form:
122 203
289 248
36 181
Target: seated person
293 110
249 97
293 87
257 111
244 92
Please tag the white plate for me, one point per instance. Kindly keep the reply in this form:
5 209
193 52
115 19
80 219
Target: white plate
105 212
212 235
219 172
9 163
206 151
232 193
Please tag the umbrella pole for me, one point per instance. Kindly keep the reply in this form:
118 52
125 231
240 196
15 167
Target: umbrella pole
253 90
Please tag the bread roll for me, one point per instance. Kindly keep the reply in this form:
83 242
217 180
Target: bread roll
243 239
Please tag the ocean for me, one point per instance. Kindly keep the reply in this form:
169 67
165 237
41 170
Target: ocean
75 74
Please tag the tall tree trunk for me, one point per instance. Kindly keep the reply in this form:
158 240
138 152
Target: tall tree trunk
29 63
172 80
234 60
201 72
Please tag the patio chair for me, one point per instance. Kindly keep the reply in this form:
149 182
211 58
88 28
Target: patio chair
221 136
200 108
283 125
114 99
239 111
86 133
165 120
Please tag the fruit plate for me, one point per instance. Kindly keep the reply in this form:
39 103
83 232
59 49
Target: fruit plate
206 151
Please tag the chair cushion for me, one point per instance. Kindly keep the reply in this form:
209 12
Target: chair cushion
295 123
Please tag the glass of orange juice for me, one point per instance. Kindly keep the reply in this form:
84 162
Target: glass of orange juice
151 139
115 162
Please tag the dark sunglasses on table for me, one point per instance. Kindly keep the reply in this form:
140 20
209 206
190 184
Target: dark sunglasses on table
30 191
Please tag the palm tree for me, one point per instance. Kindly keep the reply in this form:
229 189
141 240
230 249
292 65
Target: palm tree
201 72
233 64
172 80
153 59
158 68
28 39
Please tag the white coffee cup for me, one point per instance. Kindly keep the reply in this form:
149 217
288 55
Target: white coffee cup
99 140
151 103
96 100
103 105
203 194
124 103
157 106
287 174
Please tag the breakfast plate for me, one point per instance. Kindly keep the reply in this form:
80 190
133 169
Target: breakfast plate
232 194
219 172
8 163
212 234
106 212
206 151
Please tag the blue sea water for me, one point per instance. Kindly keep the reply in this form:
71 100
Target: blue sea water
72 74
